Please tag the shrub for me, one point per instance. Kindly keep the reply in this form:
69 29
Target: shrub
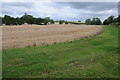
60 22
115 24
66 22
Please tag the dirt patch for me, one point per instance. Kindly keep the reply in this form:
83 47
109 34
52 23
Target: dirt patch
34 35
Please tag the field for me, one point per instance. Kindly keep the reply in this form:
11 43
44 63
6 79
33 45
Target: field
34 35
95 57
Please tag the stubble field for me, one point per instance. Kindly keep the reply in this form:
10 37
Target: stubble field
34 35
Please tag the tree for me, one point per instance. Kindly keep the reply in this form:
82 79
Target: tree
66 22
19 21
27 19
88 21
105 22
61 21
96 21
109 20
115 20
8 20
119 17
51 21
79 21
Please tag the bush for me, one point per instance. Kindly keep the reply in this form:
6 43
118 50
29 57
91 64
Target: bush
61 22
66 22
115 24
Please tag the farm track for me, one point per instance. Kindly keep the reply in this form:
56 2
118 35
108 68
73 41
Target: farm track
34 35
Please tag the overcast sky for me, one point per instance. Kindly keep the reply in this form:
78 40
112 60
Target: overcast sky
71 11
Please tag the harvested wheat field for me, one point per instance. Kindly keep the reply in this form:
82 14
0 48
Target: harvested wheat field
34 35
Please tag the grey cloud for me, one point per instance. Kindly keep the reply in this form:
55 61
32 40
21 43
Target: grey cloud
16 8
18 4
78 8
95 6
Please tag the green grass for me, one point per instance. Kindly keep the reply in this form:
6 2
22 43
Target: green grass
95 57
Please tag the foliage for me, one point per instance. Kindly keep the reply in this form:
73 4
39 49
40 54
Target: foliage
96 21
112 21
88 21
51 21
66 22
29 19
61 21
109 20
117 24
77 23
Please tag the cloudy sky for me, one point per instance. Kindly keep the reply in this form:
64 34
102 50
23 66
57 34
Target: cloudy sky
71 11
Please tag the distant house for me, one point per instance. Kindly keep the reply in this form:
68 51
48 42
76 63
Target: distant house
42 23
56 22
25 24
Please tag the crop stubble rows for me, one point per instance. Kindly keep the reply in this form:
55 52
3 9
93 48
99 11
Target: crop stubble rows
34 35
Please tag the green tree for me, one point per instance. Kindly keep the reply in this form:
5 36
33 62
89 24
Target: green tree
88 21
115 20
61 21
51 21
66 22
27 18
79 21
96 21
109 20
6 20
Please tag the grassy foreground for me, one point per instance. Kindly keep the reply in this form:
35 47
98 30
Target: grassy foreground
95 57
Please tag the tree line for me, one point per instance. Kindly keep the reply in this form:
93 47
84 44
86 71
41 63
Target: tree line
111 20
29 19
